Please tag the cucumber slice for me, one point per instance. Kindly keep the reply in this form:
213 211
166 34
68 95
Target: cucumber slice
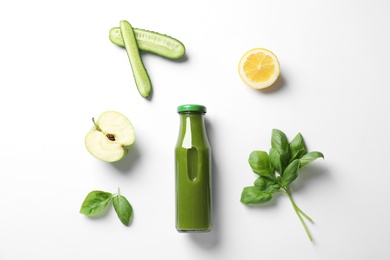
160 44
141 76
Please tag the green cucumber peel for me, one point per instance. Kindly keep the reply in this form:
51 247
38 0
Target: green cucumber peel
277 170
140 74
154 42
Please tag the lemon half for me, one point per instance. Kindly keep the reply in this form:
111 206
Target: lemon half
259 68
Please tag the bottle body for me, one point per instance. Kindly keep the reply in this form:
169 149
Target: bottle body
193 174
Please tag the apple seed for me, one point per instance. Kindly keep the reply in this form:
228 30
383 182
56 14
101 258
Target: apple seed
110 137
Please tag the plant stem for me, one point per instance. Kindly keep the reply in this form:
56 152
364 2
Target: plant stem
97 127
297 208
304 214
298 211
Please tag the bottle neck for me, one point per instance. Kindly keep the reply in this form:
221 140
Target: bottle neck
192 129
192 122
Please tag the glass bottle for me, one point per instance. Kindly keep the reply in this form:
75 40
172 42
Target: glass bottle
193 171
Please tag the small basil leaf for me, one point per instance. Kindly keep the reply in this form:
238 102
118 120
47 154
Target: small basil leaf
279 180
260 182
253 195
95 202
297 147
279 160
260 164
123 209
298 154
309 157
290 173
275 160
271 187
279 142
267 185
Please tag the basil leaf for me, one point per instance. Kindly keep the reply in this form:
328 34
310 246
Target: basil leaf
253 195
95 202
260 182
279 180
297 147
298 154
266 185
290 173
279 142
260 164
309 158
272 188
123 209
276 160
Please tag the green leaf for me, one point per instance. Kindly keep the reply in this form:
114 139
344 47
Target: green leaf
276 160
266 185
272 188
279 160
123 209
260 164
95 202
279 142
260 182
253 195
290 173
297 147
279 180
309 158
298 155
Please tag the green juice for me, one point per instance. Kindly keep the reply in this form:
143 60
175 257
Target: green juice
193 172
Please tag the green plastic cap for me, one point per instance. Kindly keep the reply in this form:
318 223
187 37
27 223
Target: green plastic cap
191 108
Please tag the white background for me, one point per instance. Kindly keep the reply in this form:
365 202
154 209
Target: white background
59 69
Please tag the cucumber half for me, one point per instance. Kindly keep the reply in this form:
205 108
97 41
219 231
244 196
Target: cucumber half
160 44
141 76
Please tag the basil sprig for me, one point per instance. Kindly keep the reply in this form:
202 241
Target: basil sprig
97 201
277 170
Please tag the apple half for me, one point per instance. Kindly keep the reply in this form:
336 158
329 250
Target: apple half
111 137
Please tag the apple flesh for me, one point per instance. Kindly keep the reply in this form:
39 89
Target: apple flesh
111 137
